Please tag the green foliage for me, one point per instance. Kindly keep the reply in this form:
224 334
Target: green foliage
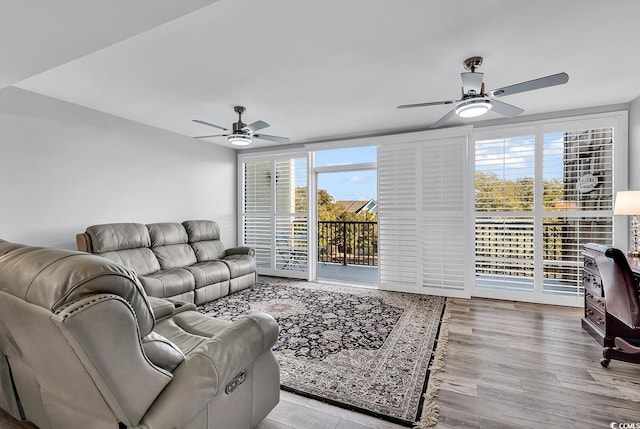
494 194
328 209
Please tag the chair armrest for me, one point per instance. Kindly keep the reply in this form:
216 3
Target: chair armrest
161 307
209 368
243 250
235 347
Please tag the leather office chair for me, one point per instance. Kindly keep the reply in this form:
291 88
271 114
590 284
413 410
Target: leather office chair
83 346
622 307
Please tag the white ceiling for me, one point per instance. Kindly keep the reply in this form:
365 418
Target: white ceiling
314 70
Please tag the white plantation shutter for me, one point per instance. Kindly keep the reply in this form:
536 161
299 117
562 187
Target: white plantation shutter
504 227
398 240
557 183
257 208
581 209
274 214
423 231
444 234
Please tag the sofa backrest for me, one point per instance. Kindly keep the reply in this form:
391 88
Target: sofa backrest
128 244
204 237
170 244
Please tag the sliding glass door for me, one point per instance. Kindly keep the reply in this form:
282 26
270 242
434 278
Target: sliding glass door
274 213
541 193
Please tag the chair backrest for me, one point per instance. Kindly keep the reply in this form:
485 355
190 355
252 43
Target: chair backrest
71 324
620 293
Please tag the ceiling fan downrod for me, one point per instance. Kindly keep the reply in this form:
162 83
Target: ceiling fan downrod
238 126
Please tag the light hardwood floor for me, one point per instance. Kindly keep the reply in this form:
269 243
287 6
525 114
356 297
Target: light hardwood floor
509 365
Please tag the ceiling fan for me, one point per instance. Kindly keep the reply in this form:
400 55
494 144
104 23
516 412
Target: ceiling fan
241 133
475 102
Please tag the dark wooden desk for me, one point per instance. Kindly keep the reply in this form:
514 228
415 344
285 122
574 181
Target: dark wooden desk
596 319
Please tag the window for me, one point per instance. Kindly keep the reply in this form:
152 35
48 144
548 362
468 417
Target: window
539 197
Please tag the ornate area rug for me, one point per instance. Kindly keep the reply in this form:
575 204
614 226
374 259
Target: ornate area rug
362 349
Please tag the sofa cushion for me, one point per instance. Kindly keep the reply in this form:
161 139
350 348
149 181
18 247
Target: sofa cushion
207 273
142 260
169 242
163 234
118 236
202 230
190 329
204 236
240 265
168 283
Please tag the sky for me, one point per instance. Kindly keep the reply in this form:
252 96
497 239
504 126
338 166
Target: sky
350 185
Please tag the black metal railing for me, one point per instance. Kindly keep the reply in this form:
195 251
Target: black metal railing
348 242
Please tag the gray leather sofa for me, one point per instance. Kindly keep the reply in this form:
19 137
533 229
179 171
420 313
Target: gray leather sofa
82 346
184 261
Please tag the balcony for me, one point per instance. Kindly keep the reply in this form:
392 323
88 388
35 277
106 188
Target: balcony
348 251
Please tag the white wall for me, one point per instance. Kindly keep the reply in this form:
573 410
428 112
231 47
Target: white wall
64 167
634 144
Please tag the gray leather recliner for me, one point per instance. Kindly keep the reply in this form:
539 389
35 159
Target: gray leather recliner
82 346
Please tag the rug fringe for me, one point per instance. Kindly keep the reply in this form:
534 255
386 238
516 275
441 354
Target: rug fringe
431 411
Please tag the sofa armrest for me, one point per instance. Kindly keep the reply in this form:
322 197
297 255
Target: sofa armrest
181 306
83 242
243 250
209 368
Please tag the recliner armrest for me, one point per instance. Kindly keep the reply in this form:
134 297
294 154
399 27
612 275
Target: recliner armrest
243 250
236 346
161 307
208 368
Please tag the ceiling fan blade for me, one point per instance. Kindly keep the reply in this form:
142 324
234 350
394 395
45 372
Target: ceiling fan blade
271 138
198 121
543 82
257 125
444 119
433 103
472 82
505 109
214 135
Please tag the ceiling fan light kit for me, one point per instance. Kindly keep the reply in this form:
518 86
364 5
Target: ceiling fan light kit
476 102
239 139
473 108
